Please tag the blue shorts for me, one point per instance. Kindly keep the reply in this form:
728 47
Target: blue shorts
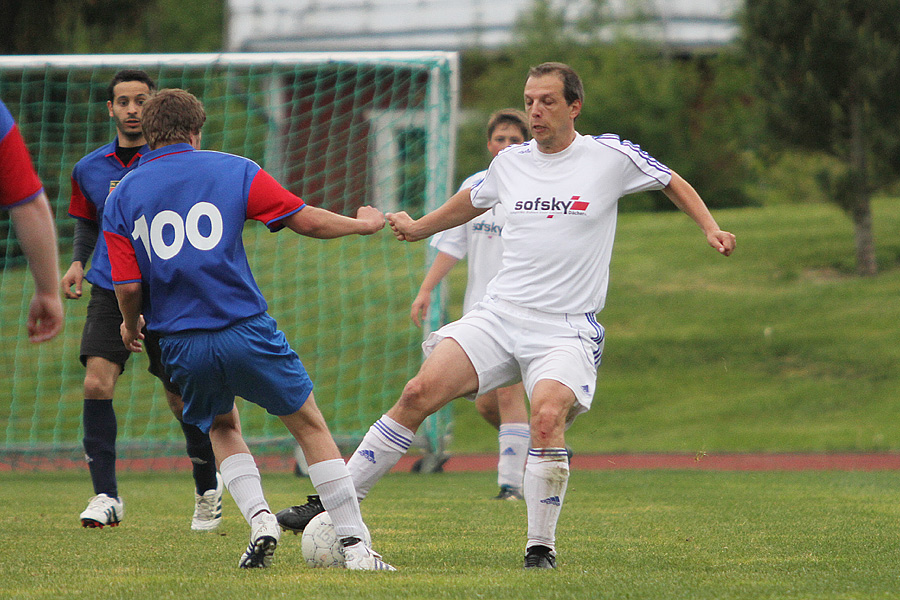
250 359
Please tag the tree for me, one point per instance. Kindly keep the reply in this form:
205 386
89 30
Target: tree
828 73
691 112
109 26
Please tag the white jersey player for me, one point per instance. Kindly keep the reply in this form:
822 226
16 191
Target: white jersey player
480 241
538 324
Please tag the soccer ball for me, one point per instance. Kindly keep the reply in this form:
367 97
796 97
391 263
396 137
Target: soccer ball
320 544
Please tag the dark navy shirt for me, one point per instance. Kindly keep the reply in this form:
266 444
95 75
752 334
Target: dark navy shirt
93 178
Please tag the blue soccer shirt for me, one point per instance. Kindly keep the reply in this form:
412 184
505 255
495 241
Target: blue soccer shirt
93 179
175 223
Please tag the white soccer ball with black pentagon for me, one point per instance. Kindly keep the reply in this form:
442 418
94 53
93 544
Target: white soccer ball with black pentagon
320 544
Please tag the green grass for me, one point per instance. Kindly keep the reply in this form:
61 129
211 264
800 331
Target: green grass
623 534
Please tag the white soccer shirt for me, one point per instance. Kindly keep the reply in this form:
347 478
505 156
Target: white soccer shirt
480 240
561 218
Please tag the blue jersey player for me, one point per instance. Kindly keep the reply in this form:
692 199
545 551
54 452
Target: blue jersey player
174 225
102 352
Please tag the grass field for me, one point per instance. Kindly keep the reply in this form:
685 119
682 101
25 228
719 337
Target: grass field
623 534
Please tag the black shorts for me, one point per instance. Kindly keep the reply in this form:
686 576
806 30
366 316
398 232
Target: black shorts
102 337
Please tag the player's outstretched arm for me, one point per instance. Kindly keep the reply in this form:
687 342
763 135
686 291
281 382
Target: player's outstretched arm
323 224
36 232
685 197
455 211
442 264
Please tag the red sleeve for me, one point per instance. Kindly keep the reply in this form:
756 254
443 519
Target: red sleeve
269 203
124 263
79 206
18 181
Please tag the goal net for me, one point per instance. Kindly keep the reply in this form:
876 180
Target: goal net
340 131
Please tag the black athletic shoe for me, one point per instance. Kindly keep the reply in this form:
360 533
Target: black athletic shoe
508 492
296 518
540 557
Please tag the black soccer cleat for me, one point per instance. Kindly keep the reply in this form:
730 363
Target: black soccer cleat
508 492
540 557
296 518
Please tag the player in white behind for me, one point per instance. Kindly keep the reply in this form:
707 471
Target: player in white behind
480 242
561 191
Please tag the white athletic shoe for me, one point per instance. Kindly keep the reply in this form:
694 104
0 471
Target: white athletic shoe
103 510
208 508
360 557
264 535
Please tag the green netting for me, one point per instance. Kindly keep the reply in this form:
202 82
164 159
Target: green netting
338 130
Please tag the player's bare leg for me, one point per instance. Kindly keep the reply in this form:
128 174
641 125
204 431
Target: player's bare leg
446 374
241 477
329 475
327 472
547 470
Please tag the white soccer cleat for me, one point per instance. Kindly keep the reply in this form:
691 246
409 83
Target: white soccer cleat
208 508
103 510
264 535
359 557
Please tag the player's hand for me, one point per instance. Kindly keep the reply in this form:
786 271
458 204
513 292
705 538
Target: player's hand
420 308
722 241
400 223
132 339
371 217
45 317
74 276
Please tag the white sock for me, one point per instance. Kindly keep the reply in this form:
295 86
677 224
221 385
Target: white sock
384 444
335 487
514 439
241 477
546 476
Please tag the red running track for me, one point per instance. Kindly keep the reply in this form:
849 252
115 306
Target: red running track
488 462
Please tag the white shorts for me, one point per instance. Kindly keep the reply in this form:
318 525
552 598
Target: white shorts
507 343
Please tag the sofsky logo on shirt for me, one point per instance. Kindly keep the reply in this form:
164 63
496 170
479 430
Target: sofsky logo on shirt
488 228
553 207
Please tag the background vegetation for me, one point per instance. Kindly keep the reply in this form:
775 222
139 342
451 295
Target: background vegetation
780 347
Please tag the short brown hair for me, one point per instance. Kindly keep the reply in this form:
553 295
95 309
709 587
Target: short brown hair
572 87
511 116
171 116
